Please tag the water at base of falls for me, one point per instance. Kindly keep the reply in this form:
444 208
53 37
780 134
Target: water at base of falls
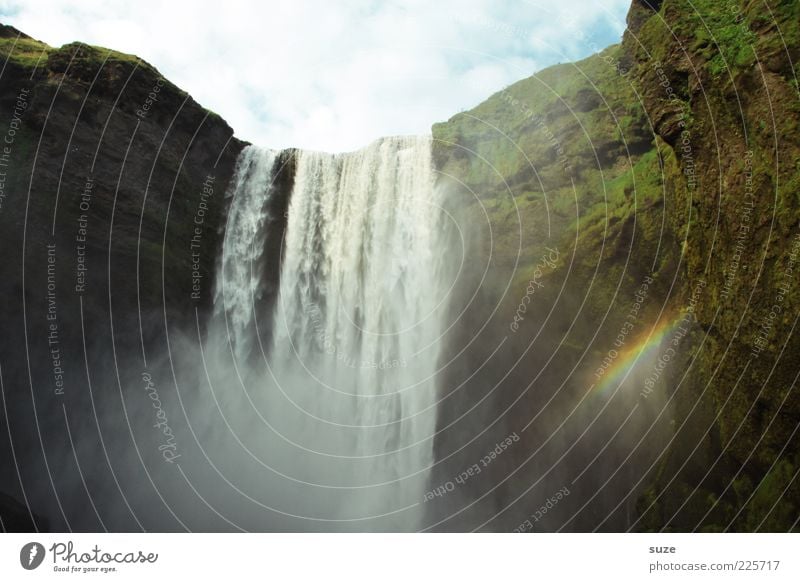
337 386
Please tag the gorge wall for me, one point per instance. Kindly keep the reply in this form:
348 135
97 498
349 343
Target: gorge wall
113 182
664 172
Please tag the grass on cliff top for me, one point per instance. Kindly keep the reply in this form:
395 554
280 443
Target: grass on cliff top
31 53
539 92
28 52
510 151
98 53
558 113
561 115
25 52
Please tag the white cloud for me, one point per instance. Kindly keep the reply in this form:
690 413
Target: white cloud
332 75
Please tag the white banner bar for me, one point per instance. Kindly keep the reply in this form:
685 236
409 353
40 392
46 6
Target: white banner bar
390 557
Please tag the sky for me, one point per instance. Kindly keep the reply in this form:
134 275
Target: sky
333 76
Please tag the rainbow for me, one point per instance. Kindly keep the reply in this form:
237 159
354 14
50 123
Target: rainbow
640 350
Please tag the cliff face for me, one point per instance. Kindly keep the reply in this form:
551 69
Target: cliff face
664 171
103 135
112 183
736 179
564 173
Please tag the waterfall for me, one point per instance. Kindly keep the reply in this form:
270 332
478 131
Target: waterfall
346 365
242 278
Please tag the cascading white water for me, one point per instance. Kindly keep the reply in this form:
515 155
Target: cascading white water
346 378
244 241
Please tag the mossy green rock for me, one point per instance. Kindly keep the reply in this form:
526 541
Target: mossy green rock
673 155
